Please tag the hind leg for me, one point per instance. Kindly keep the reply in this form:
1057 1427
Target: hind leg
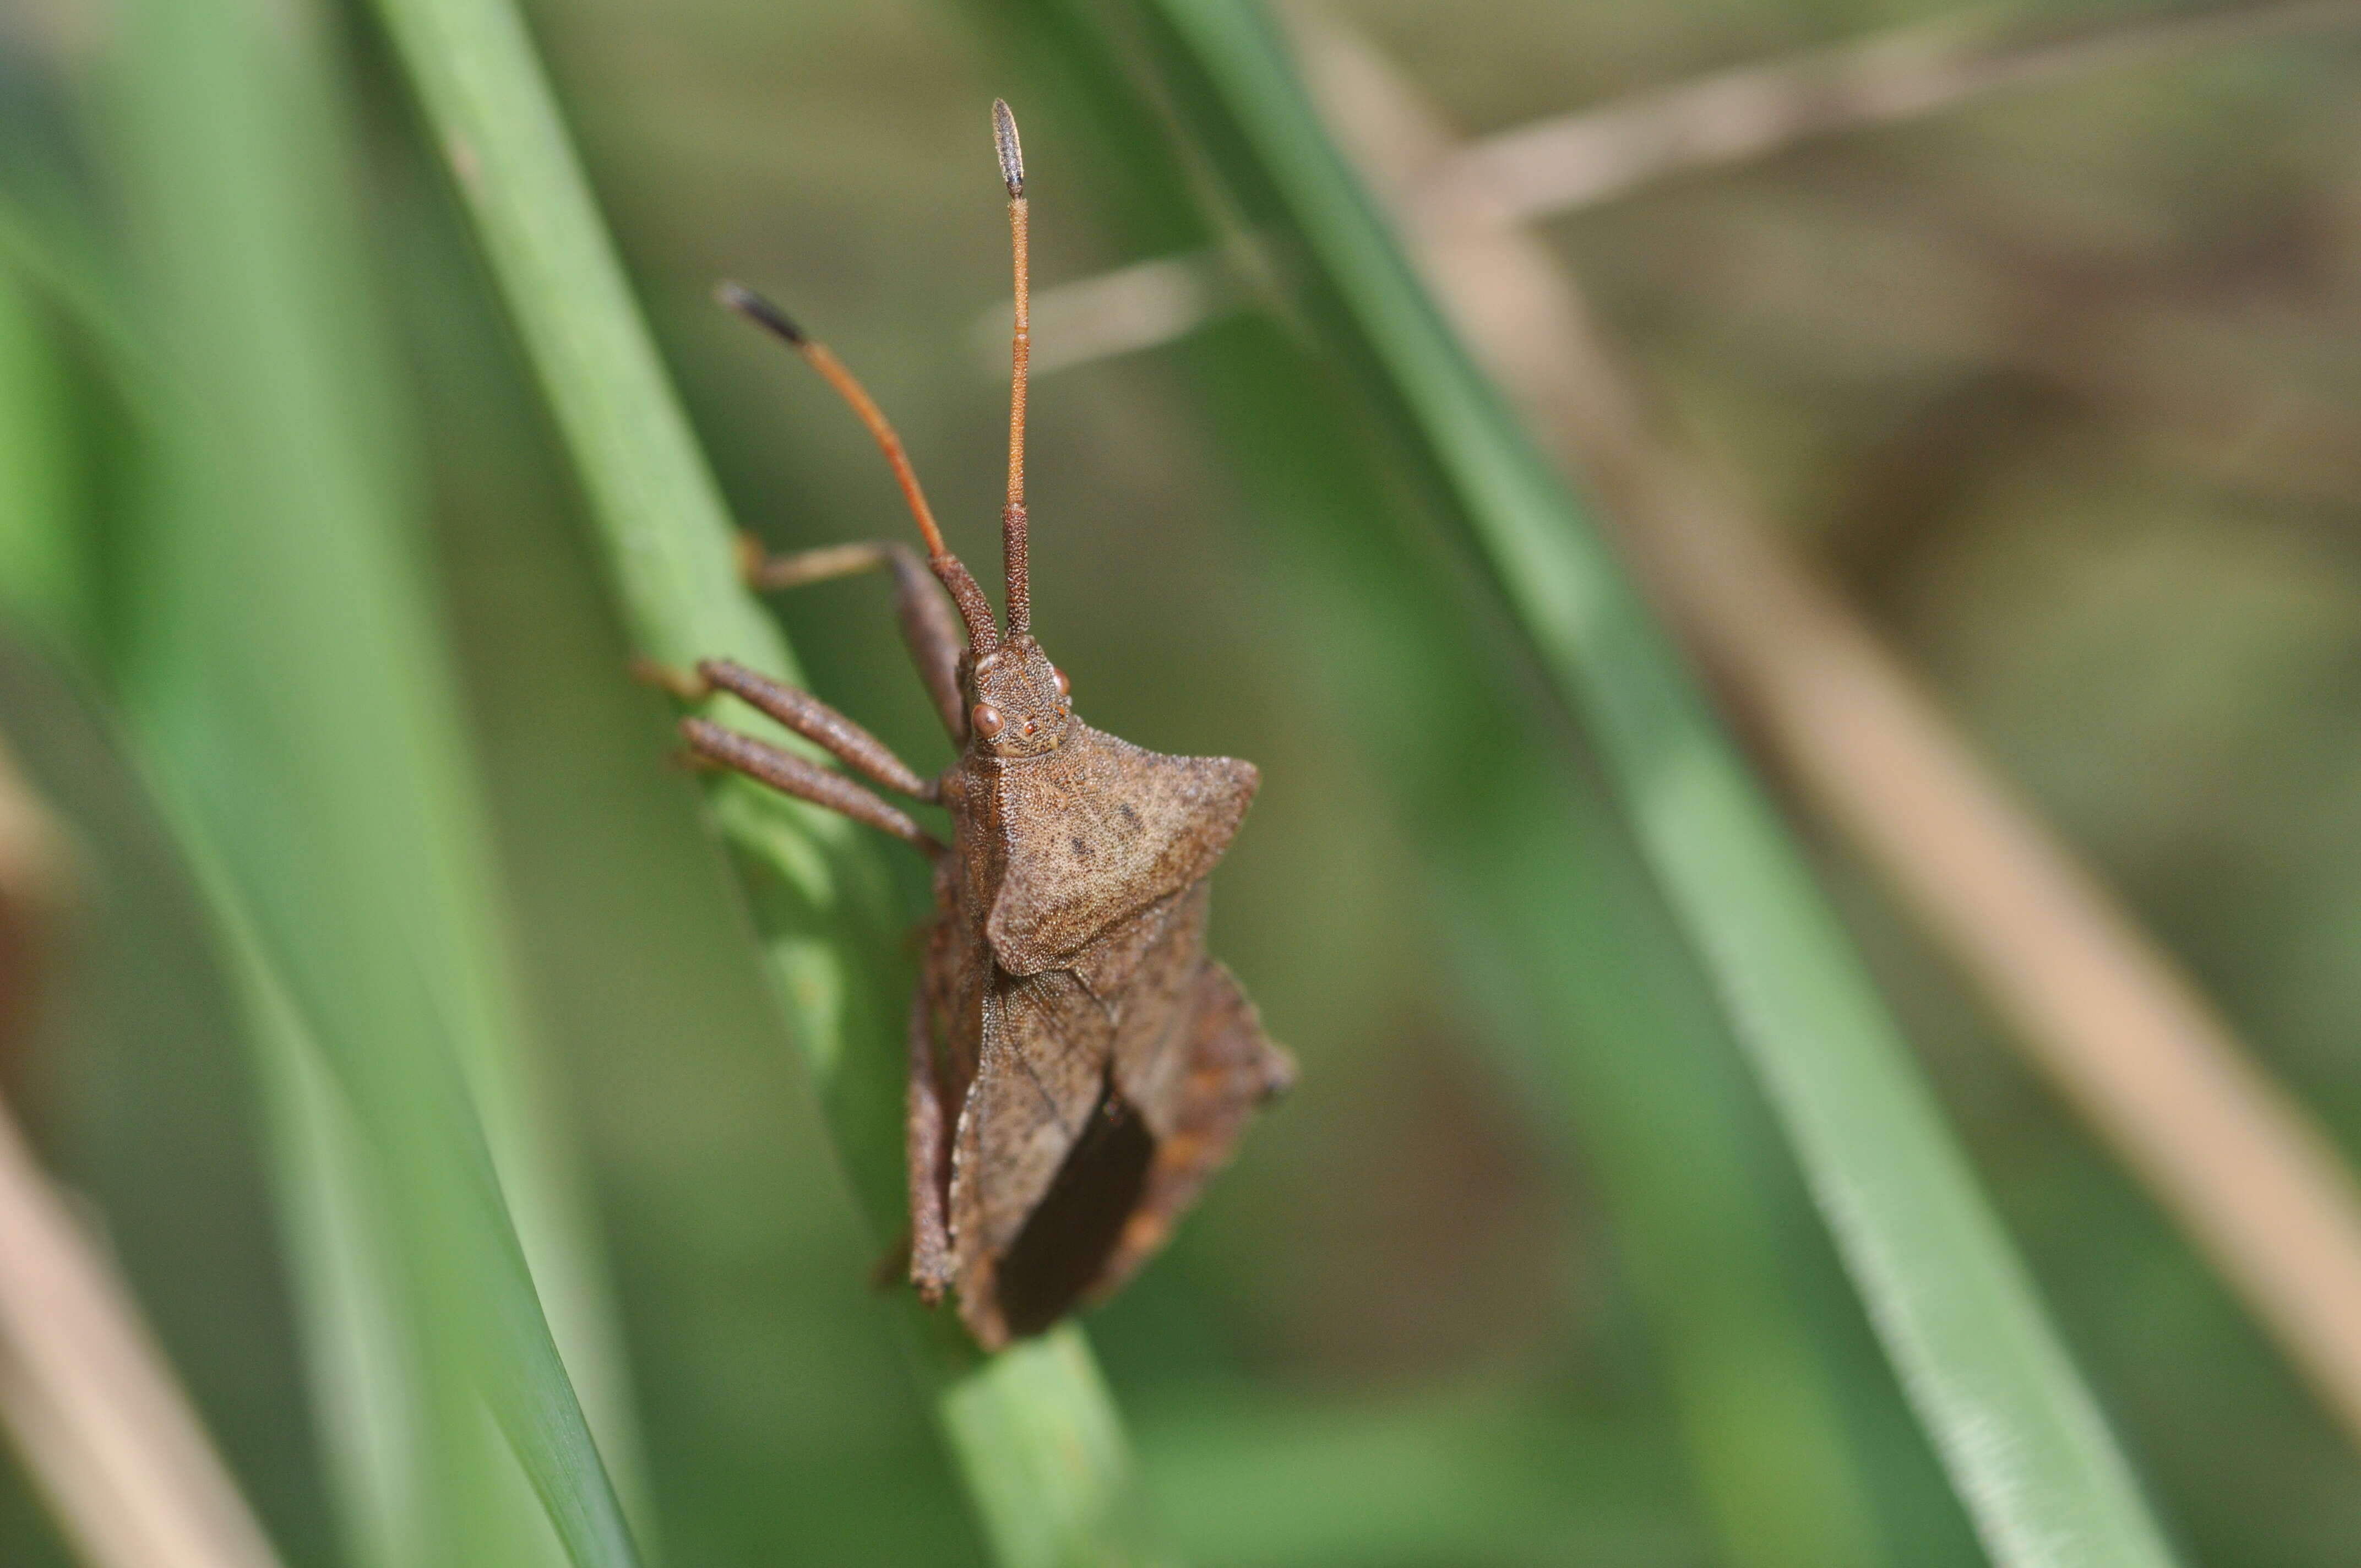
928 1152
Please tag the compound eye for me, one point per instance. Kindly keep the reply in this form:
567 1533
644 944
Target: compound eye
986 719
1065 686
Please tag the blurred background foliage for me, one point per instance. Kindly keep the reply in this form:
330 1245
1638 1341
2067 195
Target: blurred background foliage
2059 384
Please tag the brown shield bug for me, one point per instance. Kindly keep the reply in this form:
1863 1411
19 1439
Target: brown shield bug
1078 1066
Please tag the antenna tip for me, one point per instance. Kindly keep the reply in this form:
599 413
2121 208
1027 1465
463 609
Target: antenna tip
754 307
1011 156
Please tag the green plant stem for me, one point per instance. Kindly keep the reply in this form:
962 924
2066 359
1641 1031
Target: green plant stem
1033 1432
2026 1447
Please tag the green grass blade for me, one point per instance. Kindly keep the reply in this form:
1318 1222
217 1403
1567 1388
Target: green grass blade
1034 1433
2023 1442
332 1217
283 668
47 580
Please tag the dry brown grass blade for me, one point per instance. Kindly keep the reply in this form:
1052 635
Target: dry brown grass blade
2097 1006
86 1395
1570 161
1754 111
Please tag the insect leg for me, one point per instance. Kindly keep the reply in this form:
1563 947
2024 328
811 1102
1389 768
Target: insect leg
928 626
819 723
930 1240
791 774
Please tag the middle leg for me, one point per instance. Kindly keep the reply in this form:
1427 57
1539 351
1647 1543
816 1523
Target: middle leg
714 746
819 723
798 710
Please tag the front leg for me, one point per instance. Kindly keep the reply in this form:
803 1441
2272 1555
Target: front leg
928 625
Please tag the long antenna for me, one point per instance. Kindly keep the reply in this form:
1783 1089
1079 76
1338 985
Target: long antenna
1012 516
983 637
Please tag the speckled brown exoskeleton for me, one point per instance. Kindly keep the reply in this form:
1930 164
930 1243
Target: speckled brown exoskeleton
1077 1064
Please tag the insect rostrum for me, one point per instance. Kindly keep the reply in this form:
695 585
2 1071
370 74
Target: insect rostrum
1077 1064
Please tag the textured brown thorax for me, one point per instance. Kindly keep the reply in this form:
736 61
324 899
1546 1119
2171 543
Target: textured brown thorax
1077 838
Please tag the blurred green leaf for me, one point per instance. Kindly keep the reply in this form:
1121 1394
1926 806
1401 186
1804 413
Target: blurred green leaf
55 259
45 555
1474 1476
282 664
